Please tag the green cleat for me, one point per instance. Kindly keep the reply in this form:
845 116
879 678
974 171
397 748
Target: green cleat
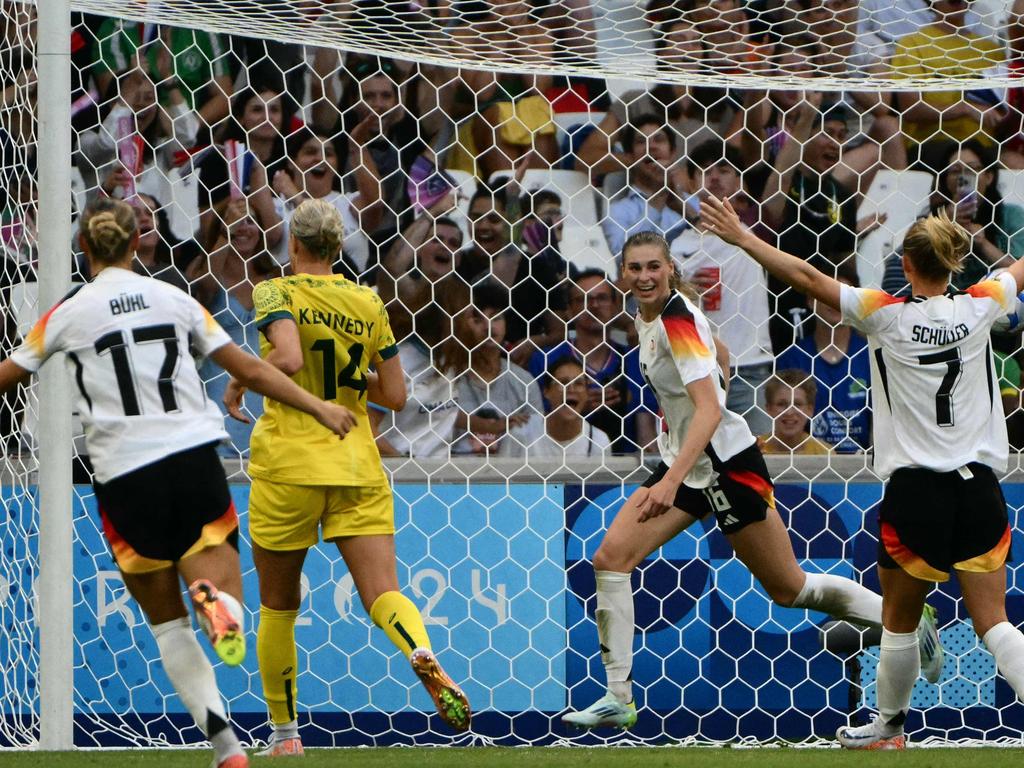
606 712
452 704
929 645
221 627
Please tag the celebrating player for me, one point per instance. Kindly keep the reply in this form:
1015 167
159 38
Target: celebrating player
325 331
940 433
151 434
710 463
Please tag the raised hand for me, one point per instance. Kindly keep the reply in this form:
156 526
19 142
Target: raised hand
720 218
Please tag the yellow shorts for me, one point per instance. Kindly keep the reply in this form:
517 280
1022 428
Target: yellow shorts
285 517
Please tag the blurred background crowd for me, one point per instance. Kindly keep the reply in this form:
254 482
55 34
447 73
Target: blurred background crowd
489 208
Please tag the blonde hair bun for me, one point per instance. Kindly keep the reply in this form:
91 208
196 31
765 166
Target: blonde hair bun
318 226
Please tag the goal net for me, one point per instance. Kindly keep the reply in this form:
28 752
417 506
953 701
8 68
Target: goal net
489 159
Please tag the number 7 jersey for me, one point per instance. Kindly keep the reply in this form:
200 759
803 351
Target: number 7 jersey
934 390
343 327
127 340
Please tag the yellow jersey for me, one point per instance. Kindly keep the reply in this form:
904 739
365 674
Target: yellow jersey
343 327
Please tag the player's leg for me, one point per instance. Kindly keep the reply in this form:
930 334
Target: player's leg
899 662
760 539
361 523
159 594
985 600
626 544
283 522
215 585
372 563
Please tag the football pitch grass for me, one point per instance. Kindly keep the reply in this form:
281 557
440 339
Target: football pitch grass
540 757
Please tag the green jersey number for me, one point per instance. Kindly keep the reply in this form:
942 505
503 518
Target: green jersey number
350 376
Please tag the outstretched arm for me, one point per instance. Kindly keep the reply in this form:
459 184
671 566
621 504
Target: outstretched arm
721 219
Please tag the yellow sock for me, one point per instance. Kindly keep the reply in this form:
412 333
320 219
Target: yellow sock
397 616
275 649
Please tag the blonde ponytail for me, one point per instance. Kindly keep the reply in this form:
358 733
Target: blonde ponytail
936 245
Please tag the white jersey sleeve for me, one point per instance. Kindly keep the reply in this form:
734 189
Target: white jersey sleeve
206 334
45 337
866 308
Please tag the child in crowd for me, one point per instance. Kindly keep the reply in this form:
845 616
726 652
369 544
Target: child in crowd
789 399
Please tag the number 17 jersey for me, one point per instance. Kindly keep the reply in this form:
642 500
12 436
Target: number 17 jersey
343 328
934 390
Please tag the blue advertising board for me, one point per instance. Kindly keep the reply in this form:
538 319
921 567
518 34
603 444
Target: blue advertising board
502 576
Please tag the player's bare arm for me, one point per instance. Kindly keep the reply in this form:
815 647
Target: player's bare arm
706 417
258 375
386 385
721 219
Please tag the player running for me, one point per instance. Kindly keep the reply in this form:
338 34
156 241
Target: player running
710 463
325 332
940 435
151 435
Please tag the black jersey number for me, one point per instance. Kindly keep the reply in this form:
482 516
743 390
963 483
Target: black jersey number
944 396
116 345
350 376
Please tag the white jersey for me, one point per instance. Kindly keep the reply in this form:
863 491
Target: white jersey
127 340
675 350
935 395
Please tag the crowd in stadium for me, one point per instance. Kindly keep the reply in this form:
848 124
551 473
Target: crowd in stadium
492 310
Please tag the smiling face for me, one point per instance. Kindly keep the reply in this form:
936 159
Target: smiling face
242 229
566 390
790 409
316 166
826 146
436 257
262 116
648 275
487 225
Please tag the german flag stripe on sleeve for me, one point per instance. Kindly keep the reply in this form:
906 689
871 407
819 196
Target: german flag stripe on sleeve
36 339
871 301
681 329
990 289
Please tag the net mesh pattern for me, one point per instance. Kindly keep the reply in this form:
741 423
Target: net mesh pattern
488 160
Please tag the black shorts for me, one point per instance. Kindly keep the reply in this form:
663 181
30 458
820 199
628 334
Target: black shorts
742 494
159 513
931 522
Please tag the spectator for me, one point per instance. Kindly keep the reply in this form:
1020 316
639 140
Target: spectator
789 398
836 357
259 122
184 63
312 172
646 204
538 291
811 212
615 387
567 435
945 48
512 115
223 282
134 147
425 428
734 287
372 108
967 189
159 254
498 399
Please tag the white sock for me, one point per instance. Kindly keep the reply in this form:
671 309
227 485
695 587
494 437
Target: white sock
841 598
615 626
192 676
899 664
235 607
286 731
1006 643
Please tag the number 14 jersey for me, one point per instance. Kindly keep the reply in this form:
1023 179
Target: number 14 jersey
343 328
127 340
934 390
